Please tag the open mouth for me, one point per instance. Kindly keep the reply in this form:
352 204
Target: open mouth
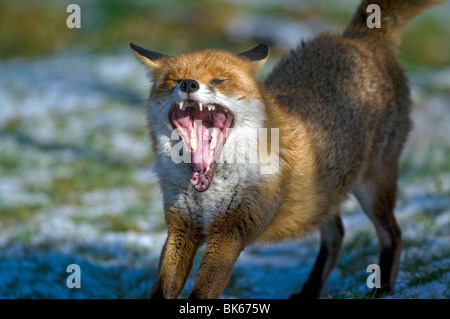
203 129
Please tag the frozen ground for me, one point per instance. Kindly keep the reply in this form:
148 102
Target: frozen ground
77 187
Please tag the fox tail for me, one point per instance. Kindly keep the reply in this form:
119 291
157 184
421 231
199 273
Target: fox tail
394 14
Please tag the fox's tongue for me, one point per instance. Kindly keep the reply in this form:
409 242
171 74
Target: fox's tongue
200 145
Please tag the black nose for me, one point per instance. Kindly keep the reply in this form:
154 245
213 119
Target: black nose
189 86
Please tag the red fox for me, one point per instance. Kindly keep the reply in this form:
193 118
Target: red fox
338 111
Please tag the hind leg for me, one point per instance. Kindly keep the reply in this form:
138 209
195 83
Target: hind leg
331 235
377 196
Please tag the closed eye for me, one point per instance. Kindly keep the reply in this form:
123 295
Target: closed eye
217 81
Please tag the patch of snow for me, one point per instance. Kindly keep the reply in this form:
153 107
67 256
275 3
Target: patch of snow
436 289
13 192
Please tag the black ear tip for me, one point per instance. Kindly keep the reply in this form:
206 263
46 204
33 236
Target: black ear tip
152 55
264 49
260 52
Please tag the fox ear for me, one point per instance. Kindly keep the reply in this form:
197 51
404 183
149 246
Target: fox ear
258 53
258 56
151 59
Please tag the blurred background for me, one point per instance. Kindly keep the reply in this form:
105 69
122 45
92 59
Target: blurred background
76 178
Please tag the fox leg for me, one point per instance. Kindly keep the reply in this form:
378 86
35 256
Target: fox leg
377 198
177 256
331 234
216 267
226 238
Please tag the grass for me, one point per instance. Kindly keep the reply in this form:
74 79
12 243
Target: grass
425 27
424 268
9 161
358 252
38 27
430 162
18 215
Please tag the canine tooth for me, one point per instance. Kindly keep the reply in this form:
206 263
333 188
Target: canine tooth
214 133
194 182
181 105
193 144
213 142
211 155
209 107
213 107
200 105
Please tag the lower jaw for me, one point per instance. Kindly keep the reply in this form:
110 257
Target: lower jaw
201 180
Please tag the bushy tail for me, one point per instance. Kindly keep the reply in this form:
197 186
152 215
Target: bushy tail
394 15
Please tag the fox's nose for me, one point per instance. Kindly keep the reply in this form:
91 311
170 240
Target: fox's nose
189 86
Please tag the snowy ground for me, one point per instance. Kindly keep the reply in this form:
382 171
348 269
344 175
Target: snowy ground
77 187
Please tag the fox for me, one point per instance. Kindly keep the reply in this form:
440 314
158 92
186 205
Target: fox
338 108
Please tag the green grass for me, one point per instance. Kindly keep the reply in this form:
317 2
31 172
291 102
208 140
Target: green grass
421 270
358 252
435 160
17 215
87 175
39 27
412 51
9 161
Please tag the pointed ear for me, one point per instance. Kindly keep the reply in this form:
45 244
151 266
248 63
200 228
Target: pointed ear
257 56
151 59
258 53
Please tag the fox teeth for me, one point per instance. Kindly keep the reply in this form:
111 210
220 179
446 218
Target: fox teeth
211 154
214 133
213 142
194 182
200 105
181 105
209 107
193 144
